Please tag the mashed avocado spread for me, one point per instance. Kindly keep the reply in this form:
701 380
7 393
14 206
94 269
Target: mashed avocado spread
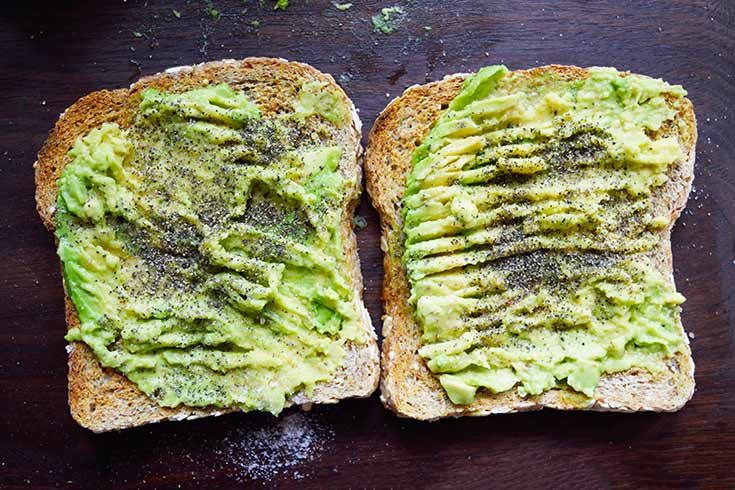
527 219
201 247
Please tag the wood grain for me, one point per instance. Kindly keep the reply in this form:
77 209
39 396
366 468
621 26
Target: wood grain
55 52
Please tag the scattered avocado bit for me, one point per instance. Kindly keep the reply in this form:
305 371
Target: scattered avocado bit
389 19
211 10
428 28
343 6
137 34
255 23
360 221
281 5
176 13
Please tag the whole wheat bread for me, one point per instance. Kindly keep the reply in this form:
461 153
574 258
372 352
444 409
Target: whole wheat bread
407 385
103 399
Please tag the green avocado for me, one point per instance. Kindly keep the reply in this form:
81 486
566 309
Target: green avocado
316 98
527 220
388 20
201 248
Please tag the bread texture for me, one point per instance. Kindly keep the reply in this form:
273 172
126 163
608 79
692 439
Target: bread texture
407 385
102 399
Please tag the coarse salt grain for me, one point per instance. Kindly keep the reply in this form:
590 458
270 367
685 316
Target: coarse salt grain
278 449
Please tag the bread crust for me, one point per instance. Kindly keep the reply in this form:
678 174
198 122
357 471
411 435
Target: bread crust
407 385
103 399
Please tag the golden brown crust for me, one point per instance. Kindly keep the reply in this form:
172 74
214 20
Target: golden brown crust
407 385
103 399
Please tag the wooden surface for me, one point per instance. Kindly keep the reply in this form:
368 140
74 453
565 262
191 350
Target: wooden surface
54 53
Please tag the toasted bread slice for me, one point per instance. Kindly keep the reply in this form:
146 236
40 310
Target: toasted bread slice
407 385
103 399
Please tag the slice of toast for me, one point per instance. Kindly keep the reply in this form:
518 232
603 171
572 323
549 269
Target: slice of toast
408 387
103 399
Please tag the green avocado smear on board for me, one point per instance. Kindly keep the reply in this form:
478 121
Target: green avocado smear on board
201 247
527 219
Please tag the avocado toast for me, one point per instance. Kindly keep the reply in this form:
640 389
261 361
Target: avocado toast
204 222
526 221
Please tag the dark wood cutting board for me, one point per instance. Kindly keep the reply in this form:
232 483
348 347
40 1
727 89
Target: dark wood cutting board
55 52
